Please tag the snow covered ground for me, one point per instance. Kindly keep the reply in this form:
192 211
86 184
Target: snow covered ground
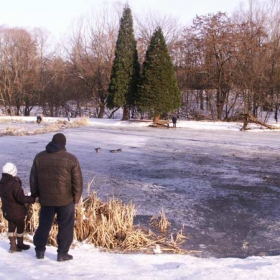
220 183
89 263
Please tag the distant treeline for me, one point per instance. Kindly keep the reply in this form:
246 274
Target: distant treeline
224 66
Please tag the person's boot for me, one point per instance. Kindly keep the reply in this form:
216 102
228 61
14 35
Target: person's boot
21 245
40 254
62 257
13 245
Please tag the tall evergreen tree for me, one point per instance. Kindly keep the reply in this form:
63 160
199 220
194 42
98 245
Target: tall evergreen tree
158 90
126 70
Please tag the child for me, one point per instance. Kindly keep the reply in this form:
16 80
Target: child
14 210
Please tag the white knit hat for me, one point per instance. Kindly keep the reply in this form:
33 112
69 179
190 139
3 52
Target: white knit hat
10 168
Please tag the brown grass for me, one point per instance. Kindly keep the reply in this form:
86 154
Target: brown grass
3 222
109 226
160 222
43 127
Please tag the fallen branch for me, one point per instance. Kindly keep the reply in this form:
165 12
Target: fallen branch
251 119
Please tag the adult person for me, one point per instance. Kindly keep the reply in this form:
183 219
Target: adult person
174 120
56 178
39 119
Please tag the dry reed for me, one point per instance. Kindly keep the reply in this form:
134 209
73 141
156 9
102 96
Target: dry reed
3 222
44 127
160 222
108 226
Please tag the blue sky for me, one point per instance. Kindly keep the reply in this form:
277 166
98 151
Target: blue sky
57 15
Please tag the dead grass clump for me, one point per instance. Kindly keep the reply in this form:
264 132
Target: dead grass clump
160 222
44 127
79 122
32 219
103 224
3 222
74 123
9 131
110 226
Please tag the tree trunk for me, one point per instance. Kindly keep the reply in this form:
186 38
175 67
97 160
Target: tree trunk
219 105
125 113
17 110
156 118
201 99
101 111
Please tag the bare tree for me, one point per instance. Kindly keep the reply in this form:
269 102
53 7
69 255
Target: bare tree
91 51
18 68
214 37
252 62
273 31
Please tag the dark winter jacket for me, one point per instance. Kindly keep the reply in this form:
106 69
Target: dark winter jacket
56 177
174 119
13 197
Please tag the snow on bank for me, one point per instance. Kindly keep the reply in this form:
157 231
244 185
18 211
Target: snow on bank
90 263
205 125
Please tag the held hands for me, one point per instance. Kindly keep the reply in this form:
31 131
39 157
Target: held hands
36 199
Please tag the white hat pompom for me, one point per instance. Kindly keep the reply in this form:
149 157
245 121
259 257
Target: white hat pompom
10 168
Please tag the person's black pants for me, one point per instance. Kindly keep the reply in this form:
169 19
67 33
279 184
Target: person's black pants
65 221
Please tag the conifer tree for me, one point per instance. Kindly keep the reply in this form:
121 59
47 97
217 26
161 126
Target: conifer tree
126 70
158 90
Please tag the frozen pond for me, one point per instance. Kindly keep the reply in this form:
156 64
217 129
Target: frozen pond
222 185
